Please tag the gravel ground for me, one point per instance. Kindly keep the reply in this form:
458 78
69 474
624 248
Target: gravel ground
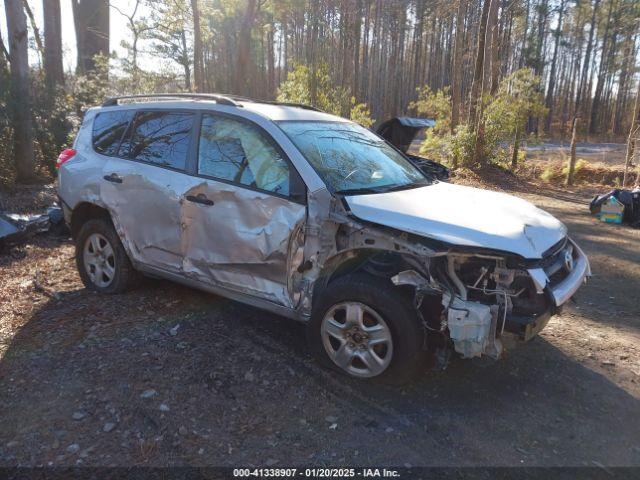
165 375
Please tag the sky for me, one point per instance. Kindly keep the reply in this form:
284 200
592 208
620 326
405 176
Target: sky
118 31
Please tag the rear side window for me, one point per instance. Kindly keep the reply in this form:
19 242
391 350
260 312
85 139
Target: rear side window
108 128
161 138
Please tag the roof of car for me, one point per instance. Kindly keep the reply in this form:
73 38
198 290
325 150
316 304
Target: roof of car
271 110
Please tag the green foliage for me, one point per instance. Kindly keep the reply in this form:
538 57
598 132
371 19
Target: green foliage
462 144
580 165
90 89
434 105
555 173
547 175
317 89
360 113
519 97
53 120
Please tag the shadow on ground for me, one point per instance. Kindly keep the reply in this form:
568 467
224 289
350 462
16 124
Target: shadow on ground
165 375
235 386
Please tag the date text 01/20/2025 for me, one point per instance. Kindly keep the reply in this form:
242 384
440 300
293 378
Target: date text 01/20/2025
316 472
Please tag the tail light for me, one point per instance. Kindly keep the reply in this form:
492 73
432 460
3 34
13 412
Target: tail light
67 154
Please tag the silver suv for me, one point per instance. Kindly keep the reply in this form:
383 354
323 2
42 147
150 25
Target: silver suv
316 218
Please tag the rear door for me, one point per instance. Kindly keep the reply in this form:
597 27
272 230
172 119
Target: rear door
144 184
248 228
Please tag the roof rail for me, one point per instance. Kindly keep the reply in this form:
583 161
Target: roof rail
272 102
221 99
299 105
231 100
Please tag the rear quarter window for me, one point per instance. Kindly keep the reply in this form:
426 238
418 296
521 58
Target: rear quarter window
160 138
108 129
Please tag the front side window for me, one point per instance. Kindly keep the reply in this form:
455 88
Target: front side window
108 128
161 138
350 159
239 152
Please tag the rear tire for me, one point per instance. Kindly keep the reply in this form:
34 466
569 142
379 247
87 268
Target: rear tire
103 263
388 336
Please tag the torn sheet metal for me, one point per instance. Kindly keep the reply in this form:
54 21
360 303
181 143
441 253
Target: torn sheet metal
15 227
146 210
244 241
464 216
240 241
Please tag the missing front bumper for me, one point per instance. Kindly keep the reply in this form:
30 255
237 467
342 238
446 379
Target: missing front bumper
527 327
563 290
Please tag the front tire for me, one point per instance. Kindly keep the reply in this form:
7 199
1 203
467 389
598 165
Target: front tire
101 259
365 327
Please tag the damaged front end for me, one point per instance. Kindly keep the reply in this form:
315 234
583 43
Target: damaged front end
488 300
471 299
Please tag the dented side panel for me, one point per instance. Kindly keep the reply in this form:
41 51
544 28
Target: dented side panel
147 210
245 241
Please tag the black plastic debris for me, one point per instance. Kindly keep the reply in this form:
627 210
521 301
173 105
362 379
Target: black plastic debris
15 228
630 199
401 132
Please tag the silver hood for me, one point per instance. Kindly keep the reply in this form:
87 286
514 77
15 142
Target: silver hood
464 216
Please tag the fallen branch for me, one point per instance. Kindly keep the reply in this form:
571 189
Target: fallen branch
39 287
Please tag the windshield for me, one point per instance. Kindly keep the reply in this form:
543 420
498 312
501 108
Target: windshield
351 159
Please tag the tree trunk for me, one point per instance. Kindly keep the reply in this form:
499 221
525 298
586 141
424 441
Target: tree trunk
357 26
271 61
634 134
516 149
242 83
595 104
21 102
490 41
476 86
476 117
198 70
552 74
36 31
91 19
185 62
456 82
572 159
54 73
582 86
495 53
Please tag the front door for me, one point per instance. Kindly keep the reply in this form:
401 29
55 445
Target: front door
246 230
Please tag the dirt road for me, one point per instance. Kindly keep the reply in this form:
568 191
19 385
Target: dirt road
169 376
605 153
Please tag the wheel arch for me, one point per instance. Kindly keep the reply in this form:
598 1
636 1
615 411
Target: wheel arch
84 212
382 263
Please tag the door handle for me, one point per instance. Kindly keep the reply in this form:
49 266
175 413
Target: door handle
113 178
201 198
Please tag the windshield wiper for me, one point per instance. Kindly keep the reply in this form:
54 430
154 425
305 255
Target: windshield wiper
408 186
381 189
362 190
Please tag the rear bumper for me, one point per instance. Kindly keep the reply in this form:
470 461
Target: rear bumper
66 210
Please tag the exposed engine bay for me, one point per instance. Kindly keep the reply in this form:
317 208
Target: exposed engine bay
473 302
480 300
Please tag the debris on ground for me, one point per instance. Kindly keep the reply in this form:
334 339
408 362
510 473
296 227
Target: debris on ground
16 228
618 206
244 389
